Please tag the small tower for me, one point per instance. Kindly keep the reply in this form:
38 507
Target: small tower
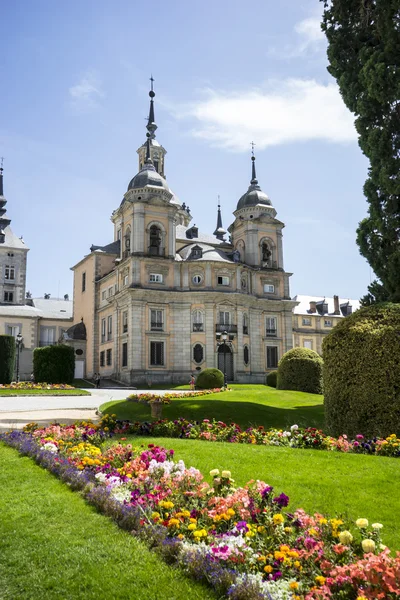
13 254
157 152
219 230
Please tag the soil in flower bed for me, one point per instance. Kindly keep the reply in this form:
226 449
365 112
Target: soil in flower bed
55 546
331 483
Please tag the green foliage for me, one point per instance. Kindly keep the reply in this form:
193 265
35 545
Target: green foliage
362 374
300 369
54 364
7 358
364 58
272 378
209 379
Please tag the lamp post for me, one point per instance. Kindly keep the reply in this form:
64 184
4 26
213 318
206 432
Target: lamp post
18 342
224 338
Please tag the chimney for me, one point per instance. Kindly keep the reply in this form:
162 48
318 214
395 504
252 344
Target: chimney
336 308
313 306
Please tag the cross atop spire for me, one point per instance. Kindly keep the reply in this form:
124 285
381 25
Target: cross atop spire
151 126
219 230
254 180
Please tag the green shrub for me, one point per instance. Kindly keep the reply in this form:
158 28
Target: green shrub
7 358
54 364
210 378
300 369
272 378
362 373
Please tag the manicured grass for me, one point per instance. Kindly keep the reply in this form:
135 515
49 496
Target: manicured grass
55 546
316 480
73 392
82 383
245 404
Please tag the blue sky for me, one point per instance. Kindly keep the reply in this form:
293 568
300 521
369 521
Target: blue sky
75 79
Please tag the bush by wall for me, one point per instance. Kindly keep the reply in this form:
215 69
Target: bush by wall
362 373
210 378
300 369
54 364
7 358
272 378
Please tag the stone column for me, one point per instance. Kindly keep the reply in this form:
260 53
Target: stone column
211 360
180 341
139 233
137 346
279 239
171 237
208 281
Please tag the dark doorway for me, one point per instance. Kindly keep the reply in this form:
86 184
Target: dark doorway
225 361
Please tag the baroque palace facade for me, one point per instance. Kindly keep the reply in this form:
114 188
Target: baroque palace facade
152 304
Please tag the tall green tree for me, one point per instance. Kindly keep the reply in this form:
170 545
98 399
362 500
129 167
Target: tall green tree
364 57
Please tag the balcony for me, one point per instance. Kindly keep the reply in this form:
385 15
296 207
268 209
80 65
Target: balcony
198 326
156 251
220 328
156 326
271 332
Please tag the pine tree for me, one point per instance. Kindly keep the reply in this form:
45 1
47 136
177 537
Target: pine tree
364 57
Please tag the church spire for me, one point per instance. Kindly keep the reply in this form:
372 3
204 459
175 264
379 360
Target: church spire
254 180
151 126
1 177
219 230
4 222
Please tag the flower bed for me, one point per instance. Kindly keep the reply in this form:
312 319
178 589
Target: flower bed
149 398
240 540
28 385
294 437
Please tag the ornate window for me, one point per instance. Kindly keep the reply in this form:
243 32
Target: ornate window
156 320
198 320
198 353
196 252
157 354
245 324
272 357
271 327
155 247
246 355
197 279
221 280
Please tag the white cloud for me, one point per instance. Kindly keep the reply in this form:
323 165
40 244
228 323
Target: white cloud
84 95
308 39
287 111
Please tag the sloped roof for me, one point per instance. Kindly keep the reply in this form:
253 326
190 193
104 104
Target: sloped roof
53 308
12 240
202 237
304 307
111 248
209 253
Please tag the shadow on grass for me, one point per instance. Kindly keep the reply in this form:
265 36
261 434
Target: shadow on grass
244 414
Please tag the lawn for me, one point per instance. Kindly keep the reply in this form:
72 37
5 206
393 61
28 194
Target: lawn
245 404
54 545
73 392
316 480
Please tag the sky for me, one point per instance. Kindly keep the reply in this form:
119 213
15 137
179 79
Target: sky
75 81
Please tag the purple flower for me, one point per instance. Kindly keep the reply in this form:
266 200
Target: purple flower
277 575
266 491
242 525
282 500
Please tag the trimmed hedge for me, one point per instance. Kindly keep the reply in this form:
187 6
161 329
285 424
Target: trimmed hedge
209 379
362 373
272 378
7 358
300 369
54 364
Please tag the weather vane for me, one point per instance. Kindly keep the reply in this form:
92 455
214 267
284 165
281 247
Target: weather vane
252 147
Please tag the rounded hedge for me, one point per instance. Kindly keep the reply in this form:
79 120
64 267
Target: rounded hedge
272 378
300 369
362 373
7 358
210 378
54 364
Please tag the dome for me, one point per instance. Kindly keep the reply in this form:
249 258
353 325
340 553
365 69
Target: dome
252 197
148 176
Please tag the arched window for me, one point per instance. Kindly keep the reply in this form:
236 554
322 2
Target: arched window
198 320
198 353
246 355
155 241
266 252
127 242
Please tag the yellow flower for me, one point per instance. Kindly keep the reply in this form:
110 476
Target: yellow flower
268 569
345 537
320 580
226 474
230 512
294 585
277 519
368 545
362 523
214 473
180 536
192 526
155 515
278 555
173 523
193 520
313 532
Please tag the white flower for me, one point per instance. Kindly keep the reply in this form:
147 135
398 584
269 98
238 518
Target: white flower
101 477
50 447
121 495
294 428
376 525
287 434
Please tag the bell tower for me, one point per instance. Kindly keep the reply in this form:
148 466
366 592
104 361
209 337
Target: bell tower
157 152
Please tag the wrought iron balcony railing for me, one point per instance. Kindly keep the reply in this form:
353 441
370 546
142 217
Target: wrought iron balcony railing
156 251
198 326
156 326
271 332
220 328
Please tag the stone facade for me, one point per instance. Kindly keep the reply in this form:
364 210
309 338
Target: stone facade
156 300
